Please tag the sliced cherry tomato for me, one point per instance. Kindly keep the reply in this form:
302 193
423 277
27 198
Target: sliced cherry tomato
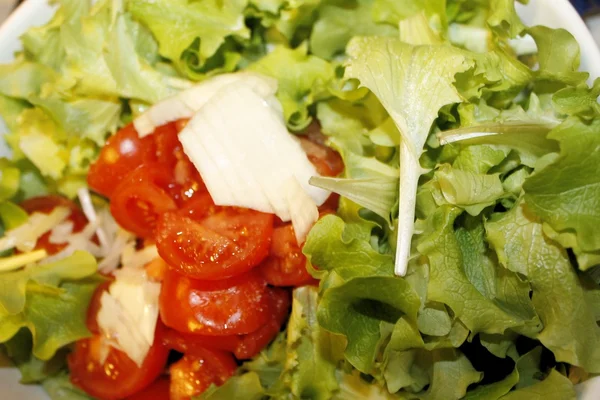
285 265
117 377
121 154
227 307
327 161
141 198
193 374
168 146
158 390
204 241
252 343
188 343
45 205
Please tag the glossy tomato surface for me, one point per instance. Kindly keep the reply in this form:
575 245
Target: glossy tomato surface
142 197
158 390
285 265
194 373
205 241
45 205
122 153
227 307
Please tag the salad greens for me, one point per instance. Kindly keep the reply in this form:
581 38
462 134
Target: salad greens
472 166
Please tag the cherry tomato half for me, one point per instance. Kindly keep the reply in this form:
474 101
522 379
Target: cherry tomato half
285 265
243 346
204 241
117 377
252 343
141 198
45 205
327 161
158 390
194 373
121 154
232 306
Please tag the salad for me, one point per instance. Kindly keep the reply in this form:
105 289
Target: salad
299 199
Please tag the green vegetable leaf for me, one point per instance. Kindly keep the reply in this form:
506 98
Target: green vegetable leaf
570 330
337 25
303 80
50 300
558 55
11 215
176 24
504 19
469 190
581 100
554 387
566 193
462 275
9 179
246 386
412 83
451 376
356 308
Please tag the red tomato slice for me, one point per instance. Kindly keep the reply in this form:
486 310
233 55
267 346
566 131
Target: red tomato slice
228 307
159 390
45 205
252 343
204 241
193 374
327 161
243 346
188 343
168 146
121 154
285 265
94 307
117 377
141 198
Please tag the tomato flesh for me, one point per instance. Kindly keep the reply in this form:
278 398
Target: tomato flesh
121 154
45 205
285 265
205 241
194 373
158 390
141 198
232 306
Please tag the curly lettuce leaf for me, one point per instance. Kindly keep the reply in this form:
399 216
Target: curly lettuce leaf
569 327
338 24
566 194
50 300
176 24
412 83
303 80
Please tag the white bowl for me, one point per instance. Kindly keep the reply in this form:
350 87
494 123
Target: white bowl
552 13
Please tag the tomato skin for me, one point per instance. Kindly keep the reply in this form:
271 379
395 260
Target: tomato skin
141 198
118 377
94 307
194 373
45 205
168 146
242 346
252 343
285 265
158 390
208 242
232 306
121 154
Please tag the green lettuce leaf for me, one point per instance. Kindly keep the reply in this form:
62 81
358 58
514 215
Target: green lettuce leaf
566 193
50 300
338 24
412 83
356 308
303 80
554 387
177 24
581 100
558 56
462 275
569 327
504 19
